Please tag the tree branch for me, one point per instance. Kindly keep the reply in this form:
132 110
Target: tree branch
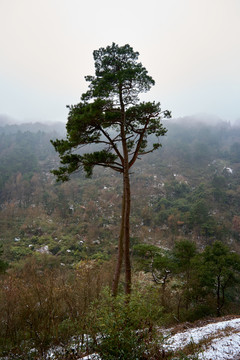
134 158
112 143
118 169
146 152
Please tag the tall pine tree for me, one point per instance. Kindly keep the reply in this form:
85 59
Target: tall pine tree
111 114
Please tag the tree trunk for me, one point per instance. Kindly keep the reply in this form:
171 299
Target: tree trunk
218 296
126 238
120 252
127 197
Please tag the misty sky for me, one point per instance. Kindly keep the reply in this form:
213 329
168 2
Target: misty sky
190 47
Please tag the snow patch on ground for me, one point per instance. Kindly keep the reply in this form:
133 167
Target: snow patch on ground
91 357
223 349
217 344
228 169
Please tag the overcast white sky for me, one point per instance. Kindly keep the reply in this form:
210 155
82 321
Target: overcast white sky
190 47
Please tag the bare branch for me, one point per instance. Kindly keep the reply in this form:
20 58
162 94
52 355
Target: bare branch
146 152
134 158
118 169
112 143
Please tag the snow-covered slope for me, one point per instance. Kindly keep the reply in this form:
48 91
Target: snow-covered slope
219 341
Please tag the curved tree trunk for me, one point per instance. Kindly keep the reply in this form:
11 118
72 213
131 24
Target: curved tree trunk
120 252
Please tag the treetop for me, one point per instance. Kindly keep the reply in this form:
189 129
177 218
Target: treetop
117 71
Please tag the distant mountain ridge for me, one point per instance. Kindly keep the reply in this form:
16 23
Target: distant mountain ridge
58 127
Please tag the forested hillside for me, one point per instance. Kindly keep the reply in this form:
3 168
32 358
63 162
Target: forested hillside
60 239
189 188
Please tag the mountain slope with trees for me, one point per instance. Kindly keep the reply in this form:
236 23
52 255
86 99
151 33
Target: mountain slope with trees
174 194
60 240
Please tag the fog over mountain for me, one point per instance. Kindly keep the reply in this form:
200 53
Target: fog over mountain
202 118
11 125
205 118
6 120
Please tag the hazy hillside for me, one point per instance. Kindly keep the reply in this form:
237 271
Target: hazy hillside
189 188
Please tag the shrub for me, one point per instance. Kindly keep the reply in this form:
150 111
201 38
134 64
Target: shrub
43 304
123 328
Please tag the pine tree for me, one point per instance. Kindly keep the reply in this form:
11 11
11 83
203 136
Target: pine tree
110 114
